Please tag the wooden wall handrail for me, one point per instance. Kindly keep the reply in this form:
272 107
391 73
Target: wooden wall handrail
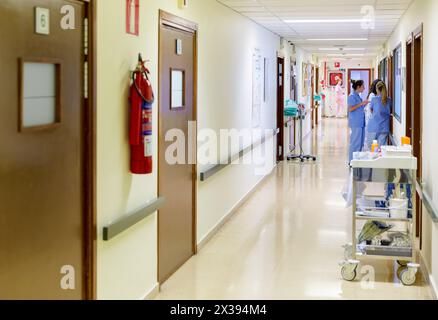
123 224
427 201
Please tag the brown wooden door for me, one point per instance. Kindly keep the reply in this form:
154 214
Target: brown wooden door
41 166
280 109
176 219
409 83
417 117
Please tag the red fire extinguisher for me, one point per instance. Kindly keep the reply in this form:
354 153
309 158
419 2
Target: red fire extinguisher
140 131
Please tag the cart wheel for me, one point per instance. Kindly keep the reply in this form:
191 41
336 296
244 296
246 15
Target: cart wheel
302 160
348 274
407 277
314 159
399 271
402 263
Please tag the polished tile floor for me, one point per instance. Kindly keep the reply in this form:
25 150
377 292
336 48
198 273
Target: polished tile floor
286 241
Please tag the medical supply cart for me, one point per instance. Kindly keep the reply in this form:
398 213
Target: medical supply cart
384 215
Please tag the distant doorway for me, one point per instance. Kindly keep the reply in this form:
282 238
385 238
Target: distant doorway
294 97
360 74
317 93
280 109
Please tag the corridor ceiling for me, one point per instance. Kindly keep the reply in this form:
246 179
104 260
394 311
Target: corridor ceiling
306 22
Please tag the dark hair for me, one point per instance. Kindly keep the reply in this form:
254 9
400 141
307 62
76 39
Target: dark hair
373 88
357 84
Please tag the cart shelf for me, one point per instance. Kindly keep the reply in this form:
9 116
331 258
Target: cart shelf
362 217
385 251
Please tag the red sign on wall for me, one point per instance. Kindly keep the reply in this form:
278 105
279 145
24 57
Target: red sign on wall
133 17
337 64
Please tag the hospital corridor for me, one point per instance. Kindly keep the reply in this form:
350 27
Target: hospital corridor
218 158
284 242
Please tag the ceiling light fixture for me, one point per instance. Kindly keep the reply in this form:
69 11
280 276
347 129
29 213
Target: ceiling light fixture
342 49
339 39
346 55
325 20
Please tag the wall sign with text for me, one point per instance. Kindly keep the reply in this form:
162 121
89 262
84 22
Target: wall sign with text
133 17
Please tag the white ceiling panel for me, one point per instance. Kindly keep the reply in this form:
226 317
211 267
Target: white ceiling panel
273 15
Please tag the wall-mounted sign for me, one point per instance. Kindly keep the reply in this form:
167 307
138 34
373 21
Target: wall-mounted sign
133 17
337 64
335 77
179 47
42 21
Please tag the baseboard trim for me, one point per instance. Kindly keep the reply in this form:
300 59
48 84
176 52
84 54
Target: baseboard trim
213 231
152 293
429 278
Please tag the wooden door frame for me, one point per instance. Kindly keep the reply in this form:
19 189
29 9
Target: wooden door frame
90 144
182 24
280 108
312 96
293 78
317 93
349 77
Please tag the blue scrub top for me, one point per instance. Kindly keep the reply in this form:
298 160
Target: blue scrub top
356 119
379 122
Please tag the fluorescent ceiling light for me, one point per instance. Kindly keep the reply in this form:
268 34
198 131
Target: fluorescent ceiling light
342 49
325 20
346 55
339 39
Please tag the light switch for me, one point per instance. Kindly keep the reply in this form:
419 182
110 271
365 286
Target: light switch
42 21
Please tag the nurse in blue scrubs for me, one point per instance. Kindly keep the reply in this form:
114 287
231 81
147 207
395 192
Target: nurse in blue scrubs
378 126
356 118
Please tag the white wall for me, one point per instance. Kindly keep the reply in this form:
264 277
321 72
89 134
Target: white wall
225 100
426 12
127 265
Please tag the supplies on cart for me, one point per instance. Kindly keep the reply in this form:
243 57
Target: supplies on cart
373 229
394 151
291 108
399 208
399 239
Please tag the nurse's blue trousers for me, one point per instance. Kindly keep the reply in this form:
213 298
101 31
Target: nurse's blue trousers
357 141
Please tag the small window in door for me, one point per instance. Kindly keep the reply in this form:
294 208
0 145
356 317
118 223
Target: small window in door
177 89
40 106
